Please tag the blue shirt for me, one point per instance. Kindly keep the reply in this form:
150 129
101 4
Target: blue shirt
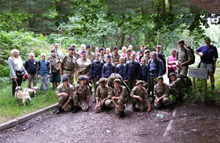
120 70
131 69
155 68
108 69
96 69
142 74
209 52
43 68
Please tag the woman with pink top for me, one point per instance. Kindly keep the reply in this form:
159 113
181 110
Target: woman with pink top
171 62
124 52
108 51
131 48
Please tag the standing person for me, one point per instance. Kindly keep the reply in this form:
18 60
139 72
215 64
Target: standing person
183 58
75 53
118 98
108 52
90 54
97 50
54 69
139 95
65 93
143 71
83 48
131 48
161 56
17 71
171 62
108 68
124 52
68 66
142 47
155 69
43 73
83 66
102 54
59 52
127 58
161 93
147 55
81 96
208 58
140 55
121 67
103 96
115 56
96 70
31 68
131 71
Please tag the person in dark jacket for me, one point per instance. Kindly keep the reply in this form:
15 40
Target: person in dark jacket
108 68
142 74
161 56
121 67
31 68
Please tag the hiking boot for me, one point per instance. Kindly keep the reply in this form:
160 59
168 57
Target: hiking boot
121 114
59 110
133 107
76 109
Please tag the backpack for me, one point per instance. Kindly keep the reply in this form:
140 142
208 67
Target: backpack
188 48
186 80
162 58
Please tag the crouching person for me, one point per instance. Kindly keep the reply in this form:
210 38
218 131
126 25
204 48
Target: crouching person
161 93
139 95
64 92
118 98
81 96
103 96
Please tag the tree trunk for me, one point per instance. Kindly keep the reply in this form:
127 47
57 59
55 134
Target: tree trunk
121 34
170 4
130 38
163 9
103 40
122 40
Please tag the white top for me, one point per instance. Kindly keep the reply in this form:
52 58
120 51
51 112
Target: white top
18 63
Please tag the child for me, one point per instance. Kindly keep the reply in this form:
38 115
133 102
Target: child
54 69
43 72
142 75
31 68
121 67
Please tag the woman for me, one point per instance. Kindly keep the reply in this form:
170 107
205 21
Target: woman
124 50
171 62
208 58
17 71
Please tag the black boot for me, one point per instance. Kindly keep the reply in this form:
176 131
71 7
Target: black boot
59 110
103 108
133 107
121 114
76 109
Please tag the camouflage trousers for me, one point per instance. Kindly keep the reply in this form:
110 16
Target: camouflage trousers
96 84
163 101
152 83
182 70
140 104
121 104
69 74
177 93
32 78
107 103
63 100
81 103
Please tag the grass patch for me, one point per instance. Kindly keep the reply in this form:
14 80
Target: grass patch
10 108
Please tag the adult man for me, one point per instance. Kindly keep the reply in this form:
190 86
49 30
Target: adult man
127 57
75 53
59 52
147 55
208 58
103 96
118 98
81 96
64 92
115 56
183 56
31 68
161 93
83 65
90 54
139 95
68 66
102 54
108 68
131 71
155 69
161 56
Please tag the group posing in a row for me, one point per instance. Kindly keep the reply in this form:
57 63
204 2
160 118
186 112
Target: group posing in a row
140 72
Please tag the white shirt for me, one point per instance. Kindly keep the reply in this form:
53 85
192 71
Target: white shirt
18 63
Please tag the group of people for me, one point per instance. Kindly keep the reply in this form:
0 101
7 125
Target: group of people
139 75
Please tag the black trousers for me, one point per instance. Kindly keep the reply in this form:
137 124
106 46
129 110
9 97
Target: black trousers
19 81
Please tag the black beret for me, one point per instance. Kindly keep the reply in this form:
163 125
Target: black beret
65 78
88 46
82 78
71 48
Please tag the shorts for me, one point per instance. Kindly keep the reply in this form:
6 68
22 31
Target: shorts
55 77
207 66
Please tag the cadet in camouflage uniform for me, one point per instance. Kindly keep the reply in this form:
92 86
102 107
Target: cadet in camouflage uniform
177 87
127 57
68 65
147 55
54 69
75 53
90 54
115 56
102 54
81 96
64 92
139 95
103 96
183 56
83 65
161 93
118 98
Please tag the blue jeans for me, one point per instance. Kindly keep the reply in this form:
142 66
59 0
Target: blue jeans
43 81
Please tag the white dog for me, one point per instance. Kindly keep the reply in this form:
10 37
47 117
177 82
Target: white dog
31 91
24 96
